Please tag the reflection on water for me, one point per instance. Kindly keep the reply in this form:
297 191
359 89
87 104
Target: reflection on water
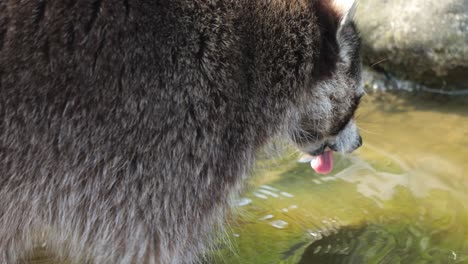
401 198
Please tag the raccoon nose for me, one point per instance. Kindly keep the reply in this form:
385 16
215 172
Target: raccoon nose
359 144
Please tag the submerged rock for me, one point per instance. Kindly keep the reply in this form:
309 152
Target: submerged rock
425 41
392 243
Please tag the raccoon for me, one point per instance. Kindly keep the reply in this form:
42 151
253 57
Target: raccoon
127 126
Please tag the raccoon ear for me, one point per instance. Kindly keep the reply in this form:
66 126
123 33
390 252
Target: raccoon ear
347 9
348 41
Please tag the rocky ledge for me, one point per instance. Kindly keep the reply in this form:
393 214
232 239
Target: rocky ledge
422 41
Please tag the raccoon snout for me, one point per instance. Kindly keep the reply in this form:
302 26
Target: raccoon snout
356 144
334 146
359 144
343 146
319 151
348 140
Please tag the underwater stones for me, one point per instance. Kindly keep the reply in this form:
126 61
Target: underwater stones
379 243
424 41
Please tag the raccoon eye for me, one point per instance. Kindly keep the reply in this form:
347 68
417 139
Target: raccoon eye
359 97
357 101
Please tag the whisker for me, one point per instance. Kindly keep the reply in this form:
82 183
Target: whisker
371 122
367 131
378 62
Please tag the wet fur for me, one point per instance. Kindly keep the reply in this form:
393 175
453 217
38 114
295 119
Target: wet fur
125 126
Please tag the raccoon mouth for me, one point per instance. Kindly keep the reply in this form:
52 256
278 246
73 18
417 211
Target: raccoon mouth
322 164
321 161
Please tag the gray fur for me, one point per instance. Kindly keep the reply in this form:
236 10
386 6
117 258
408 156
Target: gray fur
125 126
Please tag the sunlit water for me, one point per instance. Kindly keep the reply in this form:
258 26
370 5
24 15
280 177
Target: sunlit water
401 198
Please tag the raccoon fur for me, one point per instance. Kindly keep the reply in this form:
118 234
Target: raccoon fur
126 126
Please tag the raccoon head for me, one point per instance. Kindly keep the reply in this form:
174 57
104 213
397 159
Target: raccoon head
326 121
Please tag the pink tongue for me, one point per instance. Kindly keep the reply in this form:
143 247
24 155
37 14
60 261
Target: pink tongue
323 164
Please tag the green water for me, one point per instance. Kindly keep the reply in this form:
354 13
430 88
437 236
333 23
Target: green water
401 198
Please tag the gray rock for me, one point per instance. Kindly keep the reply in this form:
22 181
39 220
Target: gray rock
381 81
425 41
